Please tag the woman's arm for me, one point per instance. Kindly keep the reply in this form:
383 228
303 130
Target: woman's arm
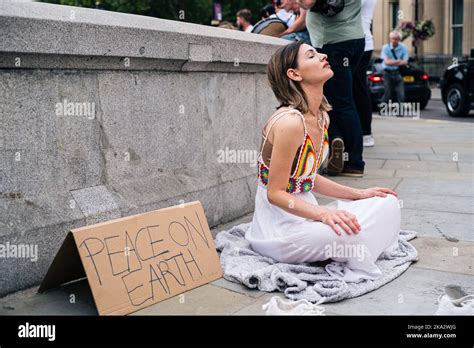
298 25
306 4
330 188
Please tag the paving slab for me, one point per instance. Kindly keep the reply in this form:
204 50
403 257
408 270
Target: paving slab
205 300
415 292
455 186
371 163
465 167
388 155
71 299
457 204
451 226
408 173
363 183
378 173
427 166
236 287
459 157
390 149
443 255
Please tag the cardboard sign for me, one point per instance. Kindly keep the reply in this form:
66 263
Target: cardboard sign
136 261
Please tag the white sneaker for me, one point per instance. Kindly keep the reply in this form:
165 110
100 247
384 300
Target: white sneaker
369 140
278 306
455 302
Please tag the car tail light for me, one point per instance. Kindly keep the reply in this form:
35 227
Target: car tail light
375 78
424 77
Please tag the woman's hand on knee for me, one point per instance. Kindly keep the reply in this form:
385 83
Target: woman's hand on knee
375 192
340 219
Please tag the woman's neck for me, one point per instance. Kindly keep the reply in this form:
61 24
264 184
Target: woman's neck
314 96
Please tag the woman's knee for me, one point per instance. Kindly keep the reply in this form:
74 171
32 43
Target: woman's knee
392 201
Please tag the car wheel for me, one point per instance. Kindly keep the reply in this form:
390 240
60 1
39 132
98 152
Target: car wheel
456 101
423 104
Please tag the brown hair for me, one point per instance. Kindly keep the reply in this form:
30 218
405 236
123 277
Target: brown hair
287 91
245 14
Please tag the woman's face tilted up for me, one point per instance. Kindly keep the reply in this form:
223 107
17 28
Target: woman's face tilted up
296 71
313 67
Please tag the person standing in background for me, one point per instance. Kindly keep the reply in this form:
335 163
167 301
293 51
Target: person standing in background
243 20
394 55
341 38
359 87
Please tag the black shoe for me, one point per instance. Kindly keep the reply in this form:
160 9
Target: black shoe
336 160
349 171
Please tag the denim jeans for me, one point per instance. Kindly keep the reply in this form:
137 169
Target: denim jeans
344 58
300 35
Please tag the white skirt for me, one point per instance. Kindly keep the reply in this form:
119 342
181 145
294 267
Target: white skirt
288 238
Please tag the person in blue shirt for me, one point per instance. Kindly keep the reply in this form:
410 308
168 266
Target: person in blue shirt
394 55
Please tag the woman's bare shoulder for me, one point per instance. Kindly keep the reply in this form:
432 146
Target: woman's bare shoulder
284 117
290 123
287 130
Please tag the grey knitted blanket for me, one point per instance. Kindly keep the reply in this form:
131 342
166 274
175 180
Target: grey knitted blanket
308 281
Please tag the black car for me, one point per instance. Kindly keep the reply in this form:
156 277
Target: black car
457 87
416 81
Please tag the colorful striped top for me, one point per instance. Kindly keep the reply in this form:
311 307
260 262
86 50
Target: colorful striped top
305 167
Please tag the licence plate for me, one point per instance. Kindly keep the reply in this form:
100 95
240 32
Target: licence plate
409 78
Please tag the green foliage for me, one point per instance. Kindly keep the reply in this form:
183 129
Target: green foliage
230 8
194 11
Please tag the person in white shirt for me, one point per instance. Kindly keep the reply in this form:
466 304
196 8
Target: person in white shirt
297 31
287 12
243 20
359 84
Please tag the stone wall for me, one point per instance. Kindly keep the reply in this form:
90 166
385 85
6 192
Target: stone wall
107 114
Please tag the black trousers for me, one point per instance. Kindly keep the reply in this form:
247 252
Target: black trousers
360 91
344 58
394 87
